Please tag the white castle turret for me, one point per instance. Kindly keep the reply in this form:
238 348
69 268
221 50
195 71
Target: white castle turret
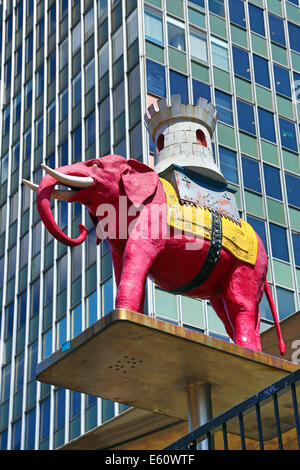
182 136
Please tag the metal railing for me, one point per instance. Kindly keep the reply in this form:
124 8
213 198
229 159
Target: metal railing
266 420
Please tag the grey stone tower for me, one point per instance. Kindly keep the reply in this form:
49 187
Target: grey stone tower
182 135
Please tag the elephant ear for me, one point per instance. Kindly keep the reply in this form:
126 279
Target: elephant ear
139 181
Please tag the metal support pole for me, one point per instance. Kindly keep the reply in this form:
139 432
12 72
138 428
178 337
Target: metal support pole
199 407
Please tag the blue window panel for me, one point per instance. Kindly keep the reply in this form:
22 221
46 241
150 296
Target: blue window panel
279 242
288 134
60 400
75 403
295 2
30 430
260 228
251 174
200 3
257 22
178 86
276 29
224 107
200 89
16 435
261 71
294 35
228 164
282 81
216 6
286 303
296 245
77 143
293 189
44 419
246 117
241 62
154 27
272 182
266 125
156 80
237 12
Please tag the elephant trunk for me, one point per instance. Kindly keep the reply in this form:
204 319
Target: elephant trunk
43 204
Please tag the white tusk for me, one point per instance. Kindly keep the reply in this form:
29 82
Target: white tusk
61 195
69 180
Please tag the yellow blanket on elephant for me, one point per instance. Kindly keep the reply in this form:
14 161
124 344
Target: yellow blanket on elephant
240 240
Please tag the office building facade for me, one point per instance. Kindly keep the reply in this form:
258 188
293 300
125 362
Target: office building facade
77 77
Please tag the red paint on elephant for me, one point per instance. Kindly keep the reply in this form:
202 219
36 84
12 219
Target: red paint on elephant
234 288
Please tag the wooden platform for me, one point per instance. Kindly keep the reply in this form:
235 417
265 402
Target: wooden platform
147 363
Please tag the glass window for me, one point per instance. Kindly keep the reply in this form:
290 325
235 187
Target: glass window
241 62
35 298
52 19
9 319
117 44
260 228
104 115
89 24
296 245
256 15
17 107
132 27
134 83
7 73
272 182
286 303
119 99
32 360
63 54
61 332
48 295
246 116
266 125
178 86
224 107
251 174
76 38
156 81
293 189
200 3
279 242
51 118
76 140
6 115
216 6
40 33
261 70
62 273
228 164
90 130
103 60
64 104
276 29
90 75
16 435
51 67
77 90
39 81
47 344
76 321
288 134
282 81
176 34
294 35
219 50
154 27
19 372
63 8
19 15
198 46
18 60
44 418
91 308
75 403
107 296
30 430
59 408
200 89
39 132
29 47
28 95
237 12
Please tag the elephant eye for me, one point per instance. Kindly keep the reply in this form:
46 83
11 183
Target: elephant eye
95 164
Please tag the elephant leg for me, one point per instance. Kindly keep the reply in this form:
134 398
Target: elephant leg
241 304
218 306
137 261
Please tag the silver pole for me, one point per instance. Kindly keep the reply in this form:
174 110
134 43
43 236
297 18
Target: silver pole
199 407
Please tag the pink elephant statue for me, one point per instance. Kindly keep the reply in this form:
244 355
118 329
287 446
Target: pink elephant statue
234 288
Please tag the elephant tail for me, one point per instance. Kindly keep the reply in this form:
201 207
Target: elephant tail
275 318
